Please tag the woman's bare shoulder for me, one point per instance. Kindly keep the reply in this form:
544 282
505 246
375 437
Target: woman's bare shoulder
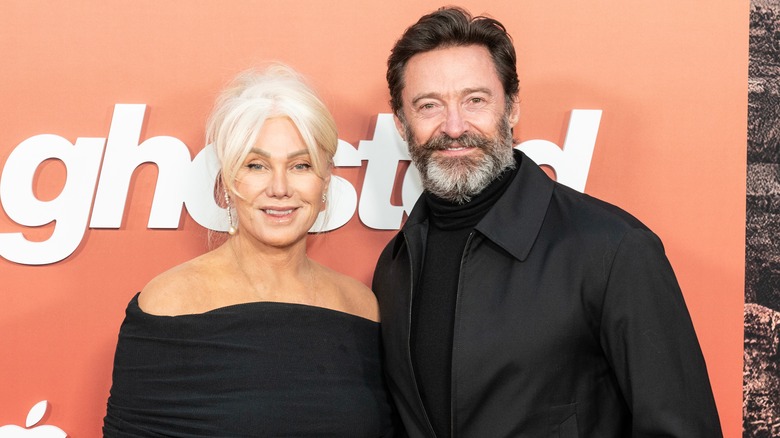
179 290
356 298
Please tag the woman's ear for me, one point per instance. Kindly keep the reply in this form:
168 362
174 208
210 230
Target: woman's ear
325 196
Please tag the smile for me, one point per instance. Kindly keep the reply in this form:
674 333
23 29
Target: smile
456 150
277 212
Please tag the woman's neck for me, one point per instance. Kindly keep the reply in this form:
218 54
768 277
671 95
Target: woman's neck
275 274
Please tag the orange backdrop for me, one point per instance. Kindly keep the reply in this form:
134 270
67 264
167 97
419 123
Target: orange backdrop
669 75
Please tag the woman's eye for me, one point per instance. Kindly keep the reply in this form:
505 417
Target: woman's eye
255 166
302 166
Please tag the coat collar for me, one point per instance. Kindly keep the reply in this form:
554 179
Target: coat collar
514 222
516 219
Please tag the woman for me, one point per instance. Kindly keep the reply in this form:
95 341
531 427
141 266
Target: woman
254 338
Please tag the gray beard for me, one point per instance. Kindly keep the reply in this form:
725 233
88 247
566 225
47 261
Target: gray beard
459 179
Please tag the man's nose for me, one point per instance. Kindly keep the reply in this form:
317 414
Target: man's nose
454 125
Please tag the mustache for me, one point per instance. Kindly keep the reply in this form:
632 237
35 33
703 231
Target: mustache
467 139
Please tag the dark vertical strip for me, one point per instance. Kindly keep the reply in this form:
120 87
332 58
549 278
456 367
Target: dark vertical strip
761 385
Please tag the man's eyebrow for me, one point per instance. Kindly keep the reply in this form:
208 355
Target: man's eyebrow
431 95
290 155
477 90
463 92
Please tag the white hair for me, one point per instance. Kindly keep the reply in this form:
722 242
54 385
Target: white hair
255 96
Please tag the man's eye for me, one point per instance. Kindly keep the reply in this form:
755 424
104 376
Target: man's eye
427 106
477 100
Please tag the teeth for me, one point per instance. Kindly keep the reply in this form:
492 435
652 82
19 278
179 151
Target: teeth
278 212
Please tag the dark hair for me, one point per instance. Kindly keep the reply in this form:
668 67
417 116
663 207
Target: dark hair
447 27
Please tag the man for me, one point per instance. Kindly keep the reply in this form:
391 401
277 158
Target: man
512 305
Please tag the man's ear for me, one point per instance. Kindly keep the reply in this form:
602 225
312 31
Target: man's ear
514 112
399 126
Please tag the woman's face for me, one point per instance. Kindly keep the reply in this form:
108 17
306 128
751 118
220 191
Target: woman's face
282 195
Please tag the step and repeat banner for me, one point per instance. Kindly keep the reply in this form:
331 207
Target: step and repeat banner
104 165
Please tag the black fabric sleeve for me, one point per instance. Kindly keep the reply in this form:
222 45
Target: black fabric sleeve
648 336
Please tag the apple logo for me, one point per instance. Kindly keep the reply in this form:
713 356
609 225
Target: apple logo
33 417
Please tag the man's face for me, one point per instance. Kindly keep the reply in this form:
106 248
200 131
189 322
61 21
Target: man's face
456 121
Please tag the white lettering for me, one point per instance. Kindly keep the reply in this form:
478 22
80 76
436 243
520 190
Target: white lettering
123 155
572 162
70 209
190 183
383 154
342 197
198 190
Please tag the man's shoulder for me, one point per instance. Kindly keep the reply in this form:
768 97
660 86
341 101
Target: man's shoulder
598 229
586 210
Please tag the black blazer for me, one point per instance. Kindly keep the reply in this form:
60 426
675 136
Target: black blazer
569 323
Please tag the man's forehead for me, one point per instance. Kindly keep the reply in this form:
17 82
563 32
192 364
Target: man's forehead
461 52
450 70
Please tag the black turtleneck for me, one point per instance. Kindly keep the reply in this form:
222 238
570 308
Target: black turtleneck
435 298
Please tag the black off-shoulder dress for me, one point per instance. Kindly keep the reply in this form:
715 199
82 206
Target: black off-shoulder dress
255 369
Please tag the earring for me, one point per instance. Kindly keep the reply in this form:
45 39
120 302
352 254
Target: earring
232 230
324 198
